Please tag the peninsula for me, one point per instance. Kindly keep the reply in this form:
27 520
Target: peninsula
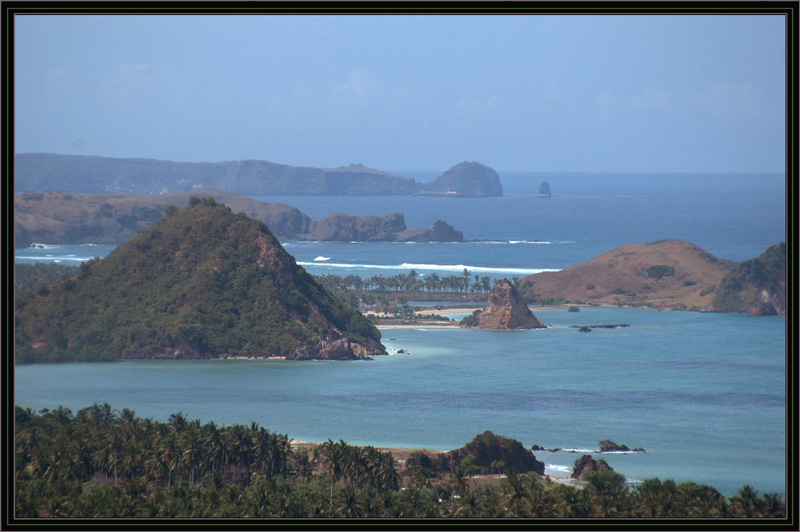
68 218
50 172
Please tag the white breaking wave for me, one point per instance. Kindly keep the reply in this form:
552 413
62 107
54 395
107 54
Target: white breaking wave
436 267
559 468
55 258
584 451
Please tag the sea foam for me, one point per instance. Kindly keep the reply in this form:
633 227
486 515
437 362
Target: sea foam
432 267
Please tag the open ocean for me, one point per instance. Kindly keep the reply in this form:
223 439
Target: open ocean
704 394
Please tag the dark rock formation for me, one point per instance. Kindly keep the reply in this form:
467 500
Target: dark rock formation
464 179
586 464
608 446
585 329
440 232
544 190
507 310
542 449
202 282
489 447
756 286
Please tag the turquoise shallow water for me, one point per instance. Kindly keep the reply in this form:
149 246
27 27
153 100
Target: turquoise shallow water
704 393
709 411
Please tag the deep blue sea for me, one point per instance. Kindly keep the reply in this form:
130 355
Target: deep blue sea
705 394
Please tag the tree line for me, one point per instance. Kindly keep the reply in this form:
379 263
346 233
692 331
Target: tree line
100 462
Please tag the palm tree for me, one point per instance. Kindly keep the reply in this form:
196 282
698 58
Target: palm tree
333 455
178 422
515 491
465 274
303 465
348 504
745 503
171 455
240 448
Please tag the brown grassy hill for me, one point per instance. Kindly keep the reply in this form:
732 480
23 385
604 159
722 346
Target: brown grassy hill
665 274
669 274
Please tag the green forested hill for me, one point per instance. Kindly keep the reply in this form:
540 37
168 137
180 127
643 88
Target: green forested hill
202 282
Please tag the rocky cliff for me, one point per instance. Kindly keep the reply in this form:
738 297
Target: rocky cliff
67 218
756 286
345 228
202 282
506 310
669 274
464 179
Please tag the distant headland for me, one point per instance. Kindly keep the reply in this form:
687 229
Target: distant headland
50 172
68 218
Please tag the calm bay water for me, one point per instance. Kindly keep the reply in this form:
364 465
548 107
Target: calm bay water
704 393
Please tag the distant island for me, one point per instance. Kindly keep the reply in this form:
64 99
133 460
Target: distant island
202 282
68 218
544 190
464 179
49 172
669 274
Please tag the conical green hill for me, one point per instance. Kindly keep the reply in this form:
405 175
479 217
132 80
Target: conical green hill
202 282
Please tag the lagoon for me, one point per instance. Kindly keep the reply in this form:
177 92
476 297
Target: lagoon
703 393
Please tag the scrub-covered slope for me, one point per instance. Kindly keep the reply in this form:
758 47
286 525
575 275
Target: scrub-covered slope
202 282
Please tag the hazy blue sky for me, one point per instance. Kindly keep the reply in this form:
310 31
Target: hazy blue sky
550 93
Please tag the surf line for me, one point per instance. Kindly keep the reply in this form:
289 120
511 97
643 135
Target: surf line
428 267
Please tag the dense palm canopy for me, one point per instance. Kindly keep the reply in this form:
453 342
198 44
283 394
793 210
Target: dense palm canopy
102 462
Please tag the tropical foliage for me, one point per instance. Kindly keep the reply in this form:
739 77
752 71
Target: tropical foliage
39 275
101 462
365 292
204 282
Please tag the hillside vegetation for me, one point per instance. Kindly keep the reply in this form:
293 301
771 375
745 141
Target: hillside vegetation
202 282
104 463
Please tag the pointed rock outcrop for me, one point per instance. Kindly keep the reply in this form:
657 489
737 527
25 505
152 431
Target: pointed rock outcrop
507 310
544 190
